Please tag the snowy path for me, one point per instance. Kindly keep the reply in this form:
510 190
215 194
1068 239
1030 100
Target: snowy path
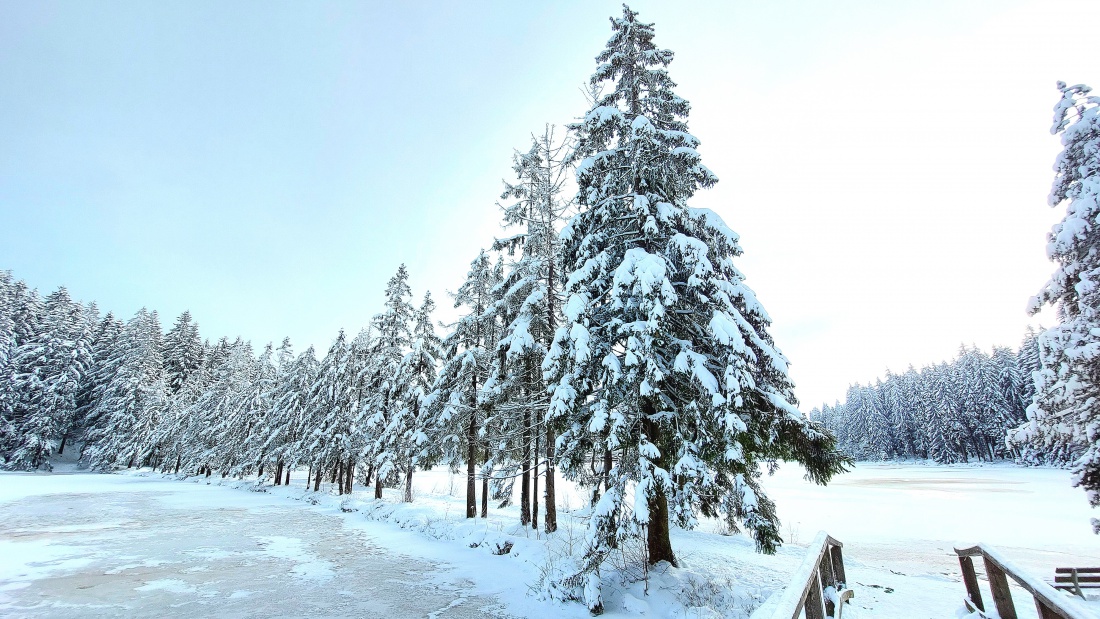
111 545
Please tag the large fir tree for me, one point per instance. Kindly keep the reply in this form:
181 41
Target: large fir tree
664 362
1068 386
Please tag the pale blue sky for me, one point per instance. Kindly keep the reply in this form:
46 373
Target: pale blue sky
268 165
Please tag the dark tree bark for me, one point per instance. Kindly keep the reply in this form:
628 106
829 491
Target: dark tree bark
485 490
551 500
471 461
349 476
287 482
658 542
525 480
535 485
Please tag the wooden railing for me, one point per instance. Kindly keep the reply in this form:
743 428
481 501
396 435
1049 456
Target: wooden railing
818 587
1050 603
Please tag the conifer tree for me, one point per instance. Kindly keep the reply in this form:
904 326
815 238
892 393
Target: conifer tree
404 435
664 361
133 400
392 341
182 352
50 368
529 308
1068 386
456 409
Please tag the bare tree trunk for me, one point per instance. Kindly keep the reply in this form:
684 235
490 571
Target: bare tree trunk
409 483
525 480
485 496
658 543
535 484
551 500
471 462
317 478
61 448
287 482
349 482
378 487
309 475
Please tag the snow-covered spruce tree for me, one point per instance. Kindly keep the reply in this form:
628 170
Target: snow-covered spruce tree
664 361
530 310
50 369
456 409
133 400
1027 360
289 412
404 435
1068 386
8 302
182 352
393 337
26 316
331 441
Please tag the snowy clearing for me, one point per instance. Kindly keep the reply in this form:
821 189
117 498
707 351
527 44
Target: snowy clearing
141 544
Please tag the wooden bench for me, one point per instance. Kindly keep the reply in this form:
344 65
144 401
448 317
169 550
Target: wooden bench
1076 578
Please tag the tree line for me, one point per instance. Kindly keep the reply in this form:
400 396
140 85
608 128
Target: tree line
610 340
950 412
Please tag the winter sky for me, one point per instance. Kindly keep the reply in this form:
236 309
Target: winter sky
269 165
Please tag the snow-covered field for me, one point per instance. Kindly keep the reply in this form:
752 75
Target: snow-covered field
142 545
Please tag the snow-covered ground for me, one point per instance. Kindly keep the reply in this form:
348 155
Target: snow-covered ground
140 544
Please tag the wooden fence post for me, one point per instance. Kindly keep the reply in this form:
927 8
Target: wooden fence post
998 584
838 565
970 579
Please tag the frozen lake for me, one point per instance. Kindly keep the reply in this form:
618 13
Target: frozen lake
123 545
87 545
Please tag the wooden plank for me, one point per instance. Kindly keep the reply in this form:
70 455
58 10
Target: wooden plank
970 579
1079 570
815 601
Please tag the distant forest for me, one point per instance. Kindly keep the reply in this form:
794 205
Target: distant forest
971 408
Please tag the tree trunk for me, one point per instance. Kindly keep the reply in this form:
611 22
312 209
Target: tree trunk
471 462
535 486
658 543
378 487
551 500
349 481
525 480
309 475
409 483
278 473
485 496
317 478
287 482
177 465
370 475
61 448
